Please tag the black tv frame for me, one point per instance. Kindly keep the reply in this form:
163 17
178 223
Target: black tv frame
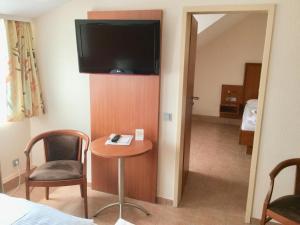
156 54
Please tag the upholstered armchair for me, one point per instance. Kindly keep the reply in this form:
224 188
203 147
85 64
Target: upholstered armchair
64 165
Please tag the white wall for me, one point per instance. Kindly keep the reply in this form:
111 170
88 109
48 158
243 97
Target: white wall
67 92
222 61
13 139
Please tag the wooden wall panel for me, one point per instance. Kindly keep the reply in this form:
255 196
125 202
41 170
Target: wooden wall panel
120 104
126 15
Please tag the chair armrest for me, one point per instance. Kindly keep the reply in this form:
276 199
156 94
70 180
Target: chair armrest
275 172
27 151
32 142
85 150
283 165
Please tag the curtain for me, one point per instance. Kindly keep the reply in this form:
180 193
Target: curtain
24 97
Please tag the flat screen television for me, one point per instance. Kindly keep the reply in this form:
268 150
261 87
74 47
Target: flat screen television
118 46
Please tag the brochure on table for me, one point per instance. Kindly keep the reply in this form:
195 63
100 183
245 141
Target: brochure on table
124 140
123 222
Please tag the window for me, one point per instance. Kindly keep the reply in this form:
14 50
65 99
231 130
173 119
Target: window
3 70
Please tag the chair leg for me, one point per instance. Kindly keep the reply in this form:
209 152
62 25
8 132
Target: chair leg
27 191
81 191
84 190
47 193
264 219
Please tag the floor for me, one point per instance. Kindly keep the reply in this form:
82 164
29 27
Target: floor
219 174
215 193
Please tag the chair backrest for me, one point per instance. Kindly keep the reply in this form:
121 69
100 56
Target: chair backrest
62 147
63 144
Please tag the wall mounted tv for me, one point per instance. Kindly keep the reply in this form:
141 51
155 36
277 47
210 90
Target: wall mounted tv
118 46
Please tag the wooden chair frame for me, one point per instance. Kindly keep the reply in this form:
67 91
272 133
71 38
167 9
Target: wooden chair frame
268 214
81 181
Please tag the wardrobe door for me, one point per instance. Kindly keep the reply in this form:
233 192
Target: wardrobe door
251 81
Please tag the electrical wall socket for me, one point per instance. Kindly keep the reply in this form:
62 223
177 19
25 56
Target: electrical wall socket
16 162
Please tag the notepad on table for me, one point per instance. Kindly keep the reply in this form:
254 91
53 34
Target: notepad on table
123 222
124 140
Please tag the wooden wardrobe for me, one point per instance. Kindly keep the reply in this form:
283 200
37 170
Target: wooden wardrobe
251 81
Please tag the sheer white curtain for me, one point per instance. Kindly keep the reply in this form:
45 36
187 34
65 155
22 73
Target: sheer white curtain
3 71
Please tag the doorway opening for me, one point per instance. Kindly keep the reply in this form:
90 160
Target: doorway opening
222 101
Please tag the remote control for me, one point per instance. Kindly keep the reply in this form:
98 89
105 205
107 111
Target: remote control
116 138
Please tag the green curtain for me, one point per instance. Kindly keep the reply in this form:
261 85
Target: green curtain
24 97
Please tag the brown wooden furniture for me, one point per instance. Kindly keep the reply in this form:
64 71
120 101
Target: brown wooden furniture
285 210
246 138
231 101
251 89
121 104
136 148
251 81
64 165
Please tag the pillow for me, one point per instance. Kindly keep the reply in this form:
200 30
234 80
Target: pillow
252 103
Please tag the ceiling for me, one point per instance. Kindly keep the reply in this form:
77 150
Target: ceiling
217 25
206 20
28 8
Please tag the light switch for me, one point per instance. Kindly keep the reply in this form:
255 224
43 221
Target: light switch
167 116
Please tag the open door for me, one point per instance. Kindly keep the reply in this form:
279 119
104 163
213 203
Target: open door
189 100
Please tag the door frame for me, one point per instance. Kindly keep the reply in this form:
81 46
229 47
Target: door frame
225 9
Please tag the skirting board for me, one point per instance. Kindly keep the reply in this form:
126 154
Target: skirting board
164 201
257 222
11 183
215 119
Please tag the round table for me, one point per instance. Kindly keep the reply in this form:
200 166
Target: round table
99 148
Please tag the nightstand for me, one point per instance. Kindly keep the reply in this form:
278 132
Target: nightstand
231 101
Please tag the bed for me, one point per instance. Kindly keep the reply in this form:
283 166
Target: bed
17 211
248 124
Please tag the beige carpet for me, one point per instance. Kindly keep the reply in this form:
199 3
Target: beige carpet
215 193
218 182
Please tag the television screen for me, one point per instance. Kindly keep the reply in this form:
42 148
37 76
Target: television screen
118 46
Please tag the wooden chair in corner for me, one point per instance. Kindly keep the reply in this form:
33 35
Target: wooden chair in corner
286 209
64 165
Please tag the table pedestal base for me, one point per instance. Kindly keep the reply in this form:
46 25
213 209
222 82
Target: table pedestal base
121 203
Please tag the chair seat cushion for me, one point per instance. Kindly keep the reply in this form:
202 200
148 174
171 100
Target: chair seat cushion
57 170
287 206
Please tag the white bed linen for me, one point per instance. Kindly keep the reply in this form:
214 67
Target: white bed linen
249 115
12 209
28 213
